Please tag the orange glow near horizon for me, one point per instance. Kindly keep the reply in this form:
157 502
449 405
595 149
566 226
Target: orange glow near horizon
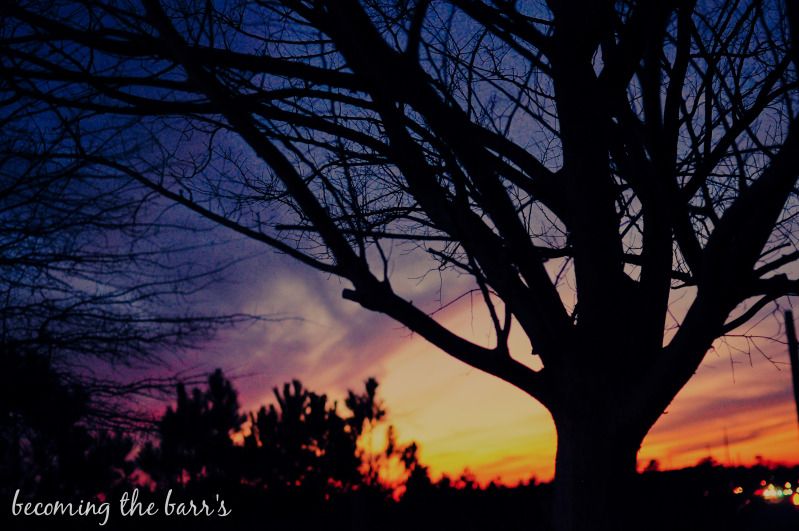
464 419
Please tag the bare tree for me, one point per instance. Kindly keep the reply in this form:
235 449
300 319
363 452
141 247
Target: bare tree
86 291
86 286
633 148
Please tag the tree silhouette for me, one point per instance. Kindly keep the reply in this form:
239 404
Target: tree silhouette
294 481
579 161
302 446
47 447
81 283
195 437
305 445
86 281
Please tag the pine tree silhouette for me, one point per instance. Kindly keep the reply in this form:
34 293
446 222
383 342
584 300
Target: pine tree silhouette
195 436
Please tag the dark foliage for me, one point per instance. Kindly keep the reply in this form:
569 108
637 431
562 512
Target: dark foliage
194 437
46 449
300 467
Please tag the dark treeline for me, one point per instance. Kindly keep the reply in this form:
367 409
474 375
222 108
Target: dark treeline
301 463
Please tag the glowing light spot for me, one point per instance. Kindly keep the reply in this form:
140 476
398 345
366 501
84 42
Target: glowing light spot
795 499
738 490
787 484
772 494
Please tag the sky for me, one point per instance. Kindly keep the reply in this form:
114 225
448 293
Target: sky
737 407
462 418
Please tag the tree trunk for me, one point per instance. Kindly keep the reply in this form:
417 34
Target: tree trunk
594 471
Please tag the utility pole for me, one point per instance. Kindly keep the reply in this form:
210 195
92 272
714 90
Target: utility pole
793 352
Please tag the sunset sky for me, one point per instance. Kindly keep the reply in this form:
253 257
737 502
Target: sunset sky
462 418
222 141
